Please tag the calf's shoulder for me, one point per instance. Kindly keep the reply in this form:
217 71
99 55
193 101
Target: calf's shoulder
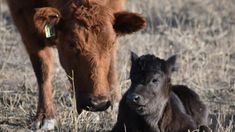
175 118
192 103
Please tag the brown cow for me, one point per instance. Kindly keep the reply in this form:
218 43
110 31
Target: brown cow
152 104
85 33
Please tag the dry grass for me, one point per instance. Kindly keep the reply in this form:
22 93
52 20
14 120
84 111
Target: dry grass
201 32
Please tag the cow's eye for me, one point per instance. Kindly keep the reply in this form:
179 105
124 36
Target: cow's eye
78 52
70 46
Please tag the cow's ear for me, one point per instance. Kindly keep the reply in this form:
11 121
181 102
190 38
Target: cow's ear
45 20
126 22
171 64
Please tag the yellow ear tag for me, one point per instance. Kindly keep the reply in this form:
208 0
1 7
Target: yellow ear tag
49 31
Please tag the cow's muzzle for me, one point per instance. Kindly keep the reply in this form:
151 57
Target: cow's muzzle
92 103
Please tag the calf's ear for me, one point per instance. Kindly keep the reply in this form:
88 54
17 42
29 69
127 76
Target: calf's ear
45 20
134 57
127 23
171 64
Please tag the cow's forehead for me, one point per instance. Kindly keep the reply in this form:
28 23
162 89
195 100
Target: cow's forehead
93 14
90 28
94 40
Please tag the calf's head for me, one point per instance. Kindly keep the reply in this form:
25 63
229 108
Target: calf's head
86 35
150 83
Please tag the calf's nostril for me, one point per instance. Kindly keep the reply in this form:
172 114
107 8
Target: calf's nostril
135 98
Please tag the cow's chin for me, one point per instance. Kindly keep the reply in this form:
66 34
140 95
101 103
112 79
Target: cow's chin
94 108
87 105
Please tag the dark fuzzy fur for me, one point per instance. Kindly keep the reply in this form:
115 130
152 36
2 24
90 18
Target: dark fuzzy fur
174 109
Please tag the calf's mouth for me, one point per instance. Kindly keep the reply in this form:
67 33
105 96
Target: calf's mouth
137 106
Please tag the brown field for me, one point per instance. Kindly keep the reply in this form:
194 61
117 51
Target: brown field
201 32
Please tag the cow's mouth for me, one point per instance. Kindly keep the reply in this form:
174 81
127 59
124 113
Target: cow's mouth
100 107
93 104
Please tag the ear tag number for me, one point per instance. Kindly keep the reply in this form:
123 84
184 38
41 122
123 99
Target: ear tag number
49 31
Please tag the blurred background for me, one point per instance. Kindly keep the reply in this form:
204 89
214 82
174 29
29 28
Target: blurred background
200 32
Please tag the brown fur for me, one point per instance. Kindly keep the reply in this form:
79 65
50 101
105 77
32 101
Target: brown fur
86 41
152 104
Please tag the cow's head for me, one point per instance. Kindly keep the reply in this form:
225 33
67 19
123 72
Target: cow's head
86 36
150 83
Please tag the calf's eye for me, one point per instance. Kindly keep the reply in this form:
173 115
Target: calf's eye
155 80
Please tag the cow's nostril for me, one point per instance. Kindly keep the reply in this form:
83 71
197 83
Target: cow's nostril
88 107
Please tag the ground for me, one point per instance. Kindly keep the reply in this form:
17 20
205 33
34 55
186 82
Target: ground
200 32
